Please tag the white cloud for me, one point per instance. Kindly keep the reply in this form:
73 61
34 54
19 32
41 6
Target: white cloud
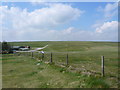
20 24
108 27
51 16
110 10
37 24
68 30
108 13
107 31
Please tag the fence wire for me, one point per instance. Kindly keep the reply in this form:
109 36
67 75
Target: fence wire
77 61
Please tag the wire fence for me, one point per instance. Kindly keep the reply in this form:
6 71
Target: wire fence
76 62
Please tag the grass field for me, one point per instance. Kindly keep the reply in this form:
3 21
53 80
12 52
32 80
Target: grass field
84 70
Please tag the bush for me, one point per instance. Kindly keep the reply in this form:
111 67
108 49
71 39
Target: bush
6 48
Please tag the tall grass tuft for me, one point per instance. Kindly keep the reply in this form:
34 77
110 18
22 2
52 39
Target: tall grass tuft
93 82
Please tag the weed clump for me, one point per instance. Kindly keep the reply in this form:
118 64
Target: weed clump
93 82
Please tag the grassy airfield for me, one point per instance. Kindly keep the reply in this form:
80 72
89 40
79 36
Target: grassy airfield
83 71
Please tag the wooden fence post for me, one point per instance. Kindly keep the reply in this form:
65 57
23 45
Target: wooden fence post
38 55
102 61
32 54
67 59
51 58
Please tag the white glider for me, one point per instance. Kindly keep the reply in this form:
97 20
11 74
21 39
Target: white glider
37 49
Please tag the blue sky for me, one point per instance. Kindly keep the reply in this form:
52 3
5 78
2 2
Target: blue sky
73 21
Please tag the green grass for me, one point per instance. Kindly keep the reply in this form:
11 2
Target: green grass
28 74
84 57
96 82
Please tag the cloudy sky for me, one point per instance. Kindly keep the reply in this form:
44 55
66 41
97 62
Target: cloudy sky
70 21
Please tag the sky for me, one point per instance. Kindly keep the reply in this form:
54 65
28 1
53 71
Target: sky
65 21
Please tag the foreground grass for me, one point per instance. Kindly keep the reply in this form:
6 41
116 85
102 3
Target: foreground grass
84 57
24 72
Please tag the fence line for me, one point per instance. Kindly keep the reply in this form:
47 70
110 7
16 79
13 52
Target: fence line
42 56
67 59
51 58
102 59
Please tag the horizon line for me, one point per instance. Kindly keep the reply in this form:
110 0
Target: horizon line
61 40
